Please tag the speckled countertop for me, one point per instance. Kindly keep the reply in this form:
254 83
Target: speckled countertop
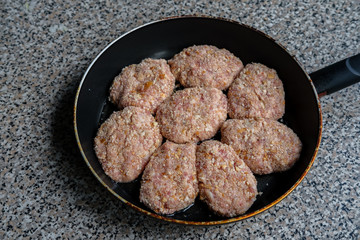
46 189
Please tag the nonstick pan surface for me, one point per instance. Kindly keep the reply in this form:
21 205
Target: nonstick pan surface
163 39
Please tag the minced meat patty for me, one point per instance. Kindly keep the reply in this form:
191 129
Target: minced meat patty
192 114
226 184
265 145
169 181
125 142
256 93
144 85
205 66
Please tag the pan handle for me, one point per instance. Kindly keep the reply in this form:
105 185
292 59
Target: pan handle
337 76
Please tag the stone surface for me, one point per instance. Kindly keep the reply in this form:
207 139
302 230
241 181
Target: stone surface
46 189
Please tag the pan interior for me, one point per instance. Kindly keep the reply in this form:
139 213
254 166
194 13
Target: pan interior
163 39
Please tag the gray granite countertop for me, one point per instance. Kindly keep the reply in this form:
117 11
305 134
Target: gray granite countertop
46 189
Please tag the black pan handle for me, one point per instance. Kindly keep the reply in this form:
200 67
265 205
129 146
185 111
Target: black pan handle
337 76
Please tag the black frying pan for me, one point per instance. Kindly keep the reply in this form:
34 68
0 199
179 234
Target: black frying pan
162 39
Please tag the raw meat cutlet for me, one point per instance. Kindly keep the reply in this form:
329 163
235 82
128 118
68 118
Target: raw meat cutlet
125 142
226 184
256 93
265 145
205 66
145 85
169 182
192 114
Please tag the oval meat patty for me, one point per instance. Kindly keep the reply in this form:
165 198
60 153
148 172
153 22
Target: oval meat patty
205 66
144 85
192 114
226 184
265 145
256 93
125 142
169 182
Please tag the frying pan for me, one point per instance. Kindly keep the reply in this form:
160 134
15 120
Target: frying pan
164 38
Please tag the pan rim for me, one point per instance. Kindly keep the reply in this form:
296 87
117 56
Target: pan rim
185 222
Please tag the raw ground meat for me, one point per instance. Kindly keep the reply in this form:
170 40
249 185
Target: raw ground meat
125 142
226 184
169 182
205 66
145 85
192 114
256 93
265 145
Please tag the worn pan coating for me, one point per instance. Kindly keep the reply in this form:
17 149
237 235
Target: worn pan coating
164 38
